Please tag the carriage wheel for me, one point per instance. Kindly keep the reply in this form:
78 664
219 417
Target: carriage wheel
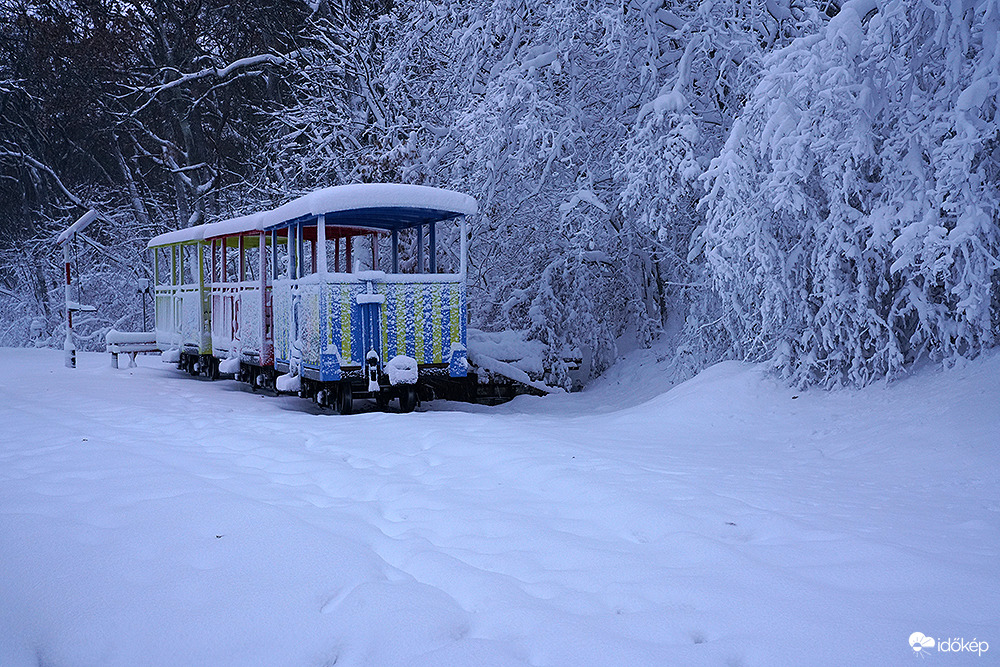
408 398
345 398
248 374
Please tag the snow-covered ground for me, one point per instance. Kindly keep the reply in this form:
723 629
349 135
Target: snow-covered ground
147 518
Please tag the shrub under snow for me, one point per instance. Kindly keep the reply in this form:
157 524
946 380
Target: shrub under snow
852 218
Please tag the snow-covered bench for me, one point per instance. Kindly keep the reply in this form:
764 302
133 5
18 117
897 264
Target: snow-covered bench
131 344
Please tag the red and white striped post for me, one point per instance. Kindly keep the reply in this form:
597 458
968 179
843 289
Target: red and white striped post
68 345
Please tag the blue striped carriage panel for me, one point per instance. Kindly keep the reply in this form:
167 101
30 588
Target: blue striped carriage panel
329 366
397 320
425 321
457 360
388 336
345 325
408 319
336 330
356 351
344 330
448 320
434 321
331 336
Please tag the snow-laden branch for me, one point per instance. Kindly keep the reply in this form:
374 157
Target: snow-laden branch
220 72
7 292
102 249
9 86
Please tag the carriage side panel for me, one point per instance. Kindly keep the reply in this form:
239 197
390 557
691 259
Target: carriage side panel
281 309
425 320
248 322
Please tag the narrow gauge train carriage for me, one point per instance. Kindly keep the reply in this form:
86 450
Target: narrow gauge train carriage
315 296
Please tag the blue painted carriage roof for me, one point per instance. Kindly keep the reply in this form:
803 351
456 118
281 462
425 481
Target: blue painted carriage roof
385 218
384 206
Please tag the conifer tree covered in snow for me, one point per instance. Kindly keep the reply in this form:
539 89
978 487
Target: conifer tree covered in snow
853 220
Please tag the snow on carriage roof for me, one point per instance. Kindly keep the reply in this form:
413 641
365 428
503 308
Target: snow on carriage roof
380 205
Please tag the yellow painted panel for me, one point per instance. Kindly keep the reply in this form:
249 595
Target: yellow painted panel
418 322
436 314
345 322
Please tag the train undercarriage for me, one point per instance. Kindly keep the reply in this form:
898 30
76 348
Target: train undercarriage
340 396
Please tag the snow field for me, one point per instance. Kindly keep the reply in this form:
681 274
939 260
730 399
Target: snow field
150 518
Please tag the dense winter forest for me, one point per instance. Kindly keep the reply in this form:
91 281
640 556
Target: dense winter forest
813 183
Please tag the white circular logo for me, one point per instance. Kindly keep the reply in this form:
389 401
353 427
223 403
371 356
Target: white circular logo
919 641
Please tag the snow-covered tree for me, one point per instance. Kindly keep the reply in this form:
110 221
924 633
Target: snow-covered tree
333 123
144 110
853 218
514 103
582 128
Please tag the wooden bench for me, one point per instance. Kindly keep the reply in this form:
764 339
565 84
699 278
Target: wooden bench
131 344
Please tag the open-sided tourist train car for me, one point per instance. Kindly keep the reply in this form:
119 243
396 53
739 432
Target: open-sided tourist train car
340 294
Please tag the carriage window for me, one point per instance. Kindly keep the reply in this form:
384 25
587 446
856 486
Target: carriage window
360 249
265 243
306 266
332 253
252 259
216 261
163 266
232 260
338 255
363 252
189 264
206 264
281 250
377 251
408 251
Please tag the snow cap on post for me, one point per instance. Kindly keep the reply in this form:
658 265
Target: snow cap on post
77 226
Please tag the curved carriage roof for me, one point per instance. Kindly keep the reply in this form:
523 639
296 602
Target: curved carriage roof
385 206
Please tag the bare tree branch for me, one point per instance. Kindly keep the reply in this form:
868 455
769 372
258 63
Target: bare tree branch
24 157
